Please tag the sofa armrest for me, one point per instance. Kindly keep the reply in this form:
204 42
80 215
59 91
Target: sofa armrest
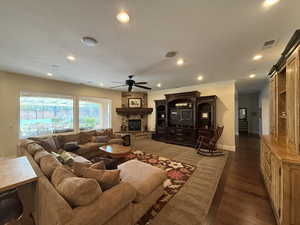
52 207
105 207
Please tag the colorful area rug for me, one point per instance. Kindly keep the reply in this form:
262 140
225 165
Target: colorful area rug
178 173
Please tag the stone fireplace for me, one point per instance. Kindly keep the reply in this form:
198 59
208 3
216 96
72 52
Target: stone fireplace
134 119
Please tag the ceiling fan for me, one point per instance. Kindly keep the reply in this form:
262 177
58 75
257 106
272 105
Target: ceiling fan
131 83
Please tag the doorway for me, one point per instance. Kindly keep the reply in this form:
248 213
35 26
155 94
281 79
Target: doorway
243 120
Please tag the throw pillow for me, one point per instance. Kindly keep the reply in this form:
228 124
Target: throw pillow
68 138
98 166
60 173
86 136
47 143
106 178
100 132
77 166
48 164
100 139
77 191
109 132
71 146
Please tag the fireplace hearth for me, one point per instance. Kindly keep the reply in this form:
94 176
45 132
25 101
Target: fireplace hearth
134 125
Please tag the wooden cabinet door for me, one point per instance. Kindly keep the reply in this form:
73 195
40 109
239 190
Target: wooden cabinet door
292 100
273 105
293 197
276 190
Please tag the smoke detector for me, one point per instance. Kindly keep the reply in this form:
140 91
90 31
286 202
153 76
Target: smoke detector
269 44
171 54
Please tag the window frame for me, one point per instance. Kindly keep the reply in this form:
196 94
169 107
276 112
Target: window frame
106 105
106 123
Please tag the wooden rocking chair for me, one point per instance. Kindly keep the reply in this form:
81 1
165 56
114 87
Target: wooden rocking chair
207 145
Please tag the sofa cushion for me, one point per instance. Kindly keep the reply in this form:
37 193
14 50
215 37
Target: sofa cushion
25 142
47 143
106 178
86 136
100 139
40 154
111 203
80 159
60 173
71 146
86 148
109 132
77 191
98 165
68 138
116 141
104 132
32 148
100 132
48 164
143 177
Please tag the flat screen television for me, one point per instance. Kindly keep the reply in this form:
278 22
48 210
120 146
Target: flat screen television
181 117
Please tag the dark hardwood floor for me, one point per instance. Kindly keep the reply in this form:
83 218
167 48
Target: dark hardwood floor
244 199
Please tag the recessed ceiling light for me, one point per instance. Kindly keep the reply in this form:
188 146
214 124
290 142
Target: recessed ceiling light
123 17
180 62
268 3
200 78
89 41
158 85
252 75
71 58
257 57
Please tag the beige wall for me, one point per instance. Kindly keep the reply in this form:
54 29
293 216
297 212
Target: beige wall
225 107
12 84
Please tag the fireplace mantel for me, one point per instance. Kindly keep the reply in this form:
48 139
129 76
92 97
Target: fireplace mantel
134 111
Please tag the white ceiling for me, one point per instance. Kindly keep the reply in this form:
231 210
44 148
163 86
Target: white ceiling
217 39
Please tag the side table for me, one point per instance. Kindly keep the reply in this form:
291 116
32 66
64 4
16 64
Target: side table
18 174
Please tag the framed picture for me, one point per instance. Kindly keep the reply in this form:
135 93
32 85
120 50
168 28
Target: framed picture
135 103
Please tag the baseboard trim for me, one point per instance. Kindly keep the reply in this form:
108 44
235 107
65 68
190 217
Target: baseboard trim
227 147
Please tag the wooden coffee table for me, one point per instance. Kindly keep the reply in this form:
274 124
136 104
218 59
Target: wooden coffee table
115 150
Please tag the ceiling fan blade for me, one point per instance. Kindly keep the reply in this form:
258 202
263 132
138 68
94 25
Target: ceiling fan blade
129 88
118 86
144 87
141 83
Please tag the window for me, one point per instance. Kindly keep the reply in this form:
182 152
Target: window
94 113
42 115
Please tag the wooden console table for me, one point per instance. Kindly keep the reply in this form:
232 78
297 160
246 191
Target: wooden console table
18 174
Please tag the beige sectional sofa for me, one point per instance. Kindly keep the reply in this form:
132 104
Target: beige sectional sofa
125 203
87 142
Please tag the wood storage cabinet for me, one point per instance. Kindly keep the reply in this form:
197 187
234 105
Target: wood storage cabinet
280 153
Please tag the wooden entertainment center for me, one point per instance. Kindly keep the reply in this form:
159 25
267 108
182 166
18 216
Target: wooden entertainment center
181 117
280 153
